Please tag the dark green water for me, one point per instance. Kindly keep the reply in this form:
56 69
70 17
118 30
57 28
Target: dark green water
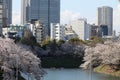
75 74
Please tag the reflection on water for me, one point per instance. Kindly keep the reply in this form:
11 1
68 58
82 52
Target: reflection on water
75 74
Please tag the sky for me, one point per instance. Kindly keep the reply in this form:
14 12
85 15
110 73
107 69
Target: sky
74 9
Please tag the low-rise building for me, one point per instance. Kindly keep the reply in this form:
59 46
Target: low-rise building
94 30
69 33
13 31
57 31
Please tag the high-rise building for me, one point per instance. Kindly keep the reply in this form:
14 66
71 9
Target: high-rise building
105 17
47 11
1 10
81 29
7 12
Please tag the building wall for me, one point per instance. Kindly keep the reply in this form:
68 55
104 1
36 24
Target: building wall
81 28
47 11
87 32
7 12
104 30
39 31
105 17
69 33
95 30
57 31
1 11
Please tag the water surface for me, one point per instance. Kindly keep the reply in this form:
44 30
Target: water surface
75 74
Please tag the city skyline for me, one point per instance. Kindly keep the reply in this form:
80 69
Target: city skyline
47 11
78 9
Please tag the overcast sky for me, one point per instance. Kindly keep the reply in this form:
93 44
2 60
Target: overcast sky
74 9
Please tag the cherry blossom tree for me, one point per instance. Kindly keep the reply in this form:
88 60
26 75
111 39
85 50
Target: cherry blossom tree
107 53
17 58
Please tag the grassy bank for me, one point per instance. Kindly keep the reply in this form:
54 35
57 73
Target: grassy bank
106 69
62 61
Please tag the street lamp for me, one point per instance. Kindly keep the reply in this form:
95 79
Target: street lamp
91 52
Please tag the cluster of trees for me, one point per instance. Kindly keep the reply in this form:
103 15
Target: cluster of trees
73 46
61 47
18 58
103 54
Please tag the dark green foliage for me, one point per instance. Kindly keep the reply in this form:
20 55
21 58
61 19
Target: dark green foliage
97 39
60 42
31 41
45 43
76 41
53 46
94 40
65 61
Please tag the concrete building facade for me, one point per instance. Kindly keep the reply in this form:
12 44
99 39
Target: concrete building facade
95 30
57 32
105 17
69 33
47 11
37 30
81 28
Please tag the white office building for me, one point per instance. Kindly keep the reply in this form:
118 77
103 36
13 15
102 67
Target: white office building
57 31
81 28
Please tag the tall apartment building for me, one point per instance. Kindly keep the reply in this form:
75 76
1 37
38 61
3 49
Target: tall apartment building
105 17
81 28
47 11
57 32
7 12
39 31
